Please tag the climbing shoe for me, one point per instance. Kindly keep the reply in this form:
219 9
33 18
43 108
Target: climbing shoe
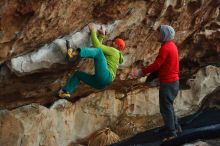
69 50
62 94
71 53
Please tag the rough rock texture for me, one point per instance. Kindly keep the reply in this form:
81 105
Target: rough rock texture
32 69
29 28
64 122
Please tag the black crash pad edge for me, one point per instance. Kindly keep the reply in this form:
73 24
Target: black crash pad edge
190 135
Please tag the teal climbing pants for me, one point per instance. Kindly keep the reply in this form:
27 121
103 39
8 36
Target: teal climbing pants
99 80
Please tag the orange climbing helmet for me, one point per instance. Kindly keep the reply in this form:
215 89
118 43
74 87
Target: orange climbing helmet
120 43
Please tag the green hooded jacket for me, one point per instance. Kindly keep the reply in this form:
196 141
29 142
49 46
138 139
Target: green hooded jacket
113 56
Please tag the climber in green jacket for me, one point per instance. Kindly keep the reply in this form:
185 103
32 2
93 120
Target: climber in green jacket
106 60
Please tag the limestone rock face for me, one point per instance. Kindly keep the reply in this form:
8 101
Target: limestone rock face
11 129
33 69
206 80
64 122
29 30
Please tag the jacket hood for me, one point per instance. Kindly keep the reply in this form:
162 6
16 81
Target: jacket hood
167 33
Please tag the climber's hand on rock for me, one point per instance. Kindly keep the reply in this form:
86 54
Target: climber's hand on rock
92 26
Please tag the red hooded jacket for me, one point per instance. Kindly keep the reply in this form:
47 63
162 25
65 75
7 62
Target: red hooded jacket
167 63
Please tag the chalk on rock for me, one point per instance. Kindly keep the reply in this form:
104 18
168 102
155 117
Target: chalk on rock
61 44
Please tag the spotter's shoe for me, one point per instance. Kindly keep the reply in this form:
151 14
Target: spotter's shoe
169 138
